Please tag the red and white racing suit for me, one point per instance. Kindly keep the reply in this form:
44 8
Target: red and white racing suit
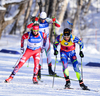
44 27
33 49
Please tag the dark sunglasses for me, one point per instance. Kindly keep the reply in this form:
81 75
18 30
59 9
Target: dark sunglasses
66 36
42 18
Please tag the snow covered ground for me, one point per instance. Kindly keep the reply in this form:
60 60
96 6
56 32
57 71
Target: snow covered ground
22 84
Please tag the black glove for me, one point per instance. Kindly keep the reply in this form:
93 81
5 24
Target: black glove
81 54
42 49
55 52
22 50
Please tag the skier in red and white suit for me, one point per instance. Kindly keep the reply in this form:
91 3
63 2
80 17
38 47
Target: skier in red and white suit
35 38
44 22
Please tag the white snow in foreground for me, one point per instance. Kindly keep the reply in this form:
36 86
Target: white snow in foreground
22 84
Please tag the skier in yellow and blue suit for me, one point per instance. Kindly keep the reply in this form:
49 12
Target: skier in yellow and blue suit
67 50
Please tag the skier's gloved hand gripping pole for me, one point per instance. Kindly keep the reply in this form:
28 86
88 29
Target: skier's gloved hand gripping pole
54 19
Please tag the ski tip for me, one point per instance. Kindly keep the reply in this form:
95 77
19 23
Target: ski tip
40 80
35 83
68 88
5 81
88 89
94 90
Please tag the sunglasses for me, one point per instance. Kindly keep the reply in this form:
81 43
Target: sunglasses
66 36
35 30
42 18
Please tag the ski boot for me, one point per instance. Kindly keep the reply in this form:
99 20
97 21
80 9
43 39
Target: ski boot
50 71
9 79
67 85
35 79
82 85
39 74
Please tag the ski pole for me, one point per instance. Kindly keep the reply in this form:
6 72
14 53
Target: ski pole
55 57
42 55
81 65
28 62
54 70
42 61
81 69
17 60
54 30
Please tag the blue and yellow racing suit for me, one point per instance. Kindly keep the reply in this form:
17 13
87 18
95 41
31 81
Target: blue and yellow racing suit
67 50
